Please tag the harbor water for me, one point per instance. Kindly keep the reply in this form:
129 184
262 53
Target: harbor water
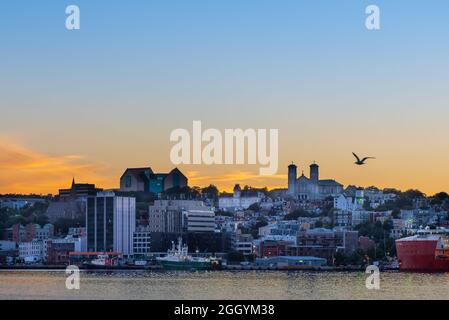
222 285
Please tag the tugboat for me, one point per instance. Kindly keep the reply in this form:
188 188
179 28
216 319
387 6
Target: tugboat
177 258
103 261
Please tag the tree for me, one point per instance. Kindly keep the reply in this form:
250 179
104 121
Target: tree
62 225
391 190
328 209
440 198
386 248
403 201
224 213
380 233
358 257
294 215
367 204
261 222
15 219
374 231
395 213
413 194
4 216
182 193
340 259
254 229
37 208
210 192
254 207
41 220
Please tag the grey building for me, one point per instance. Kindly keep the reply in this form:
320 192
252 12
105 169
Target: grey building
142 241
174 216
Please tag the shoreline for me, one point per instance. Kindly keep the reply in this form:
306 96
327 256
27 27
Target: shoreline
160 269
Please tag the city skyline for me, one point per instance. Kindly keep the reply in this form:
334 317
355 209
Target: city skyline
90 103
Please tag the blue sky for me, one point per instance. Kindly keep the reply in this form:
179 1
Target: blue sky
138 69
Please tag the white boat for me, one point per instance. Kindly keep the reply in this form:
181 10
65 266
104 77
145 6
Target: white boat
178 258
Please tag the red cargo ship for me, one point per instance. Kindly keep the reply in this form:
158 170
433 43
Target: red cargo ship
427 251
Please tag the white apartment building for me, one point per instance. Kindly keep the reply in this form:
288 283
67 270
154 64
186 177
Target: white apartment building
110 223
77 242
33 249
124 224
346 203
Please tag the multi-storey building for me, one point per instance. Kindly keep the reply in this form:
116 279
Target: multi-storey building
324 243
78 190
175 216
142 241
30 232
36 232
200 220
15 233
32 249
242 243
58 250
110 223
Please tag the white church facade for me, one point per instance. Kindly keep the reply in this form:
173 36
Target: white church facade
311 188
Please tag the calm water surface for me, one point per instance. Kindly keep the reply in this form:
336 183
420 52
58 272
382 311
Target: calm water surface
221 285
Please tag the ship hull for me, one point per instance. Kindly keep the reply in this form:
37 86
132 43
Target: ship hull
421 256
99 267
186 265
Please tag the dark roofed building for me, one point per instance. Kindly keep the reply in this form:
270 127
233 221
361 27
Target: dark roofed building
157 182
136 179
78 190
145 180
330 187
175 179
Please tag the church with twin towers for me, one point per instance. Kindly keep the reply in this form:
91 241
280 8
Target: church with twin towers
311 188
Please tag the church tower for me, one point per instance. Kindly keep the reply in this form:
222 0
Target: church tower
237 191
292 174
314 172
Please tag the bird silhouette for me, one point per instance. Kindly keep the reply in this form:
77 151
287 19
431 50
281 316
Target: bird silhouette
361 162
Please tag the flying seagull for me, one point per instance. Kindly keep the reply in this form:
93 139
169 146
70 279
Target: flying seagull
361 162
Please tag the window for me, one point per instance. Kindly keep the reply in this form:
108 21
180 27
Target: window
128 181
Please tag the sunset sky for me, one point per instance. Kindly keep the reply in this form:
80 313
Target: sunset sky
92 102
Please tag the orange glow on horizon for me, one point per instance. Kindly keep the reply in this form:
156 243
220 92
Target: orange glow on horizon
25 171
